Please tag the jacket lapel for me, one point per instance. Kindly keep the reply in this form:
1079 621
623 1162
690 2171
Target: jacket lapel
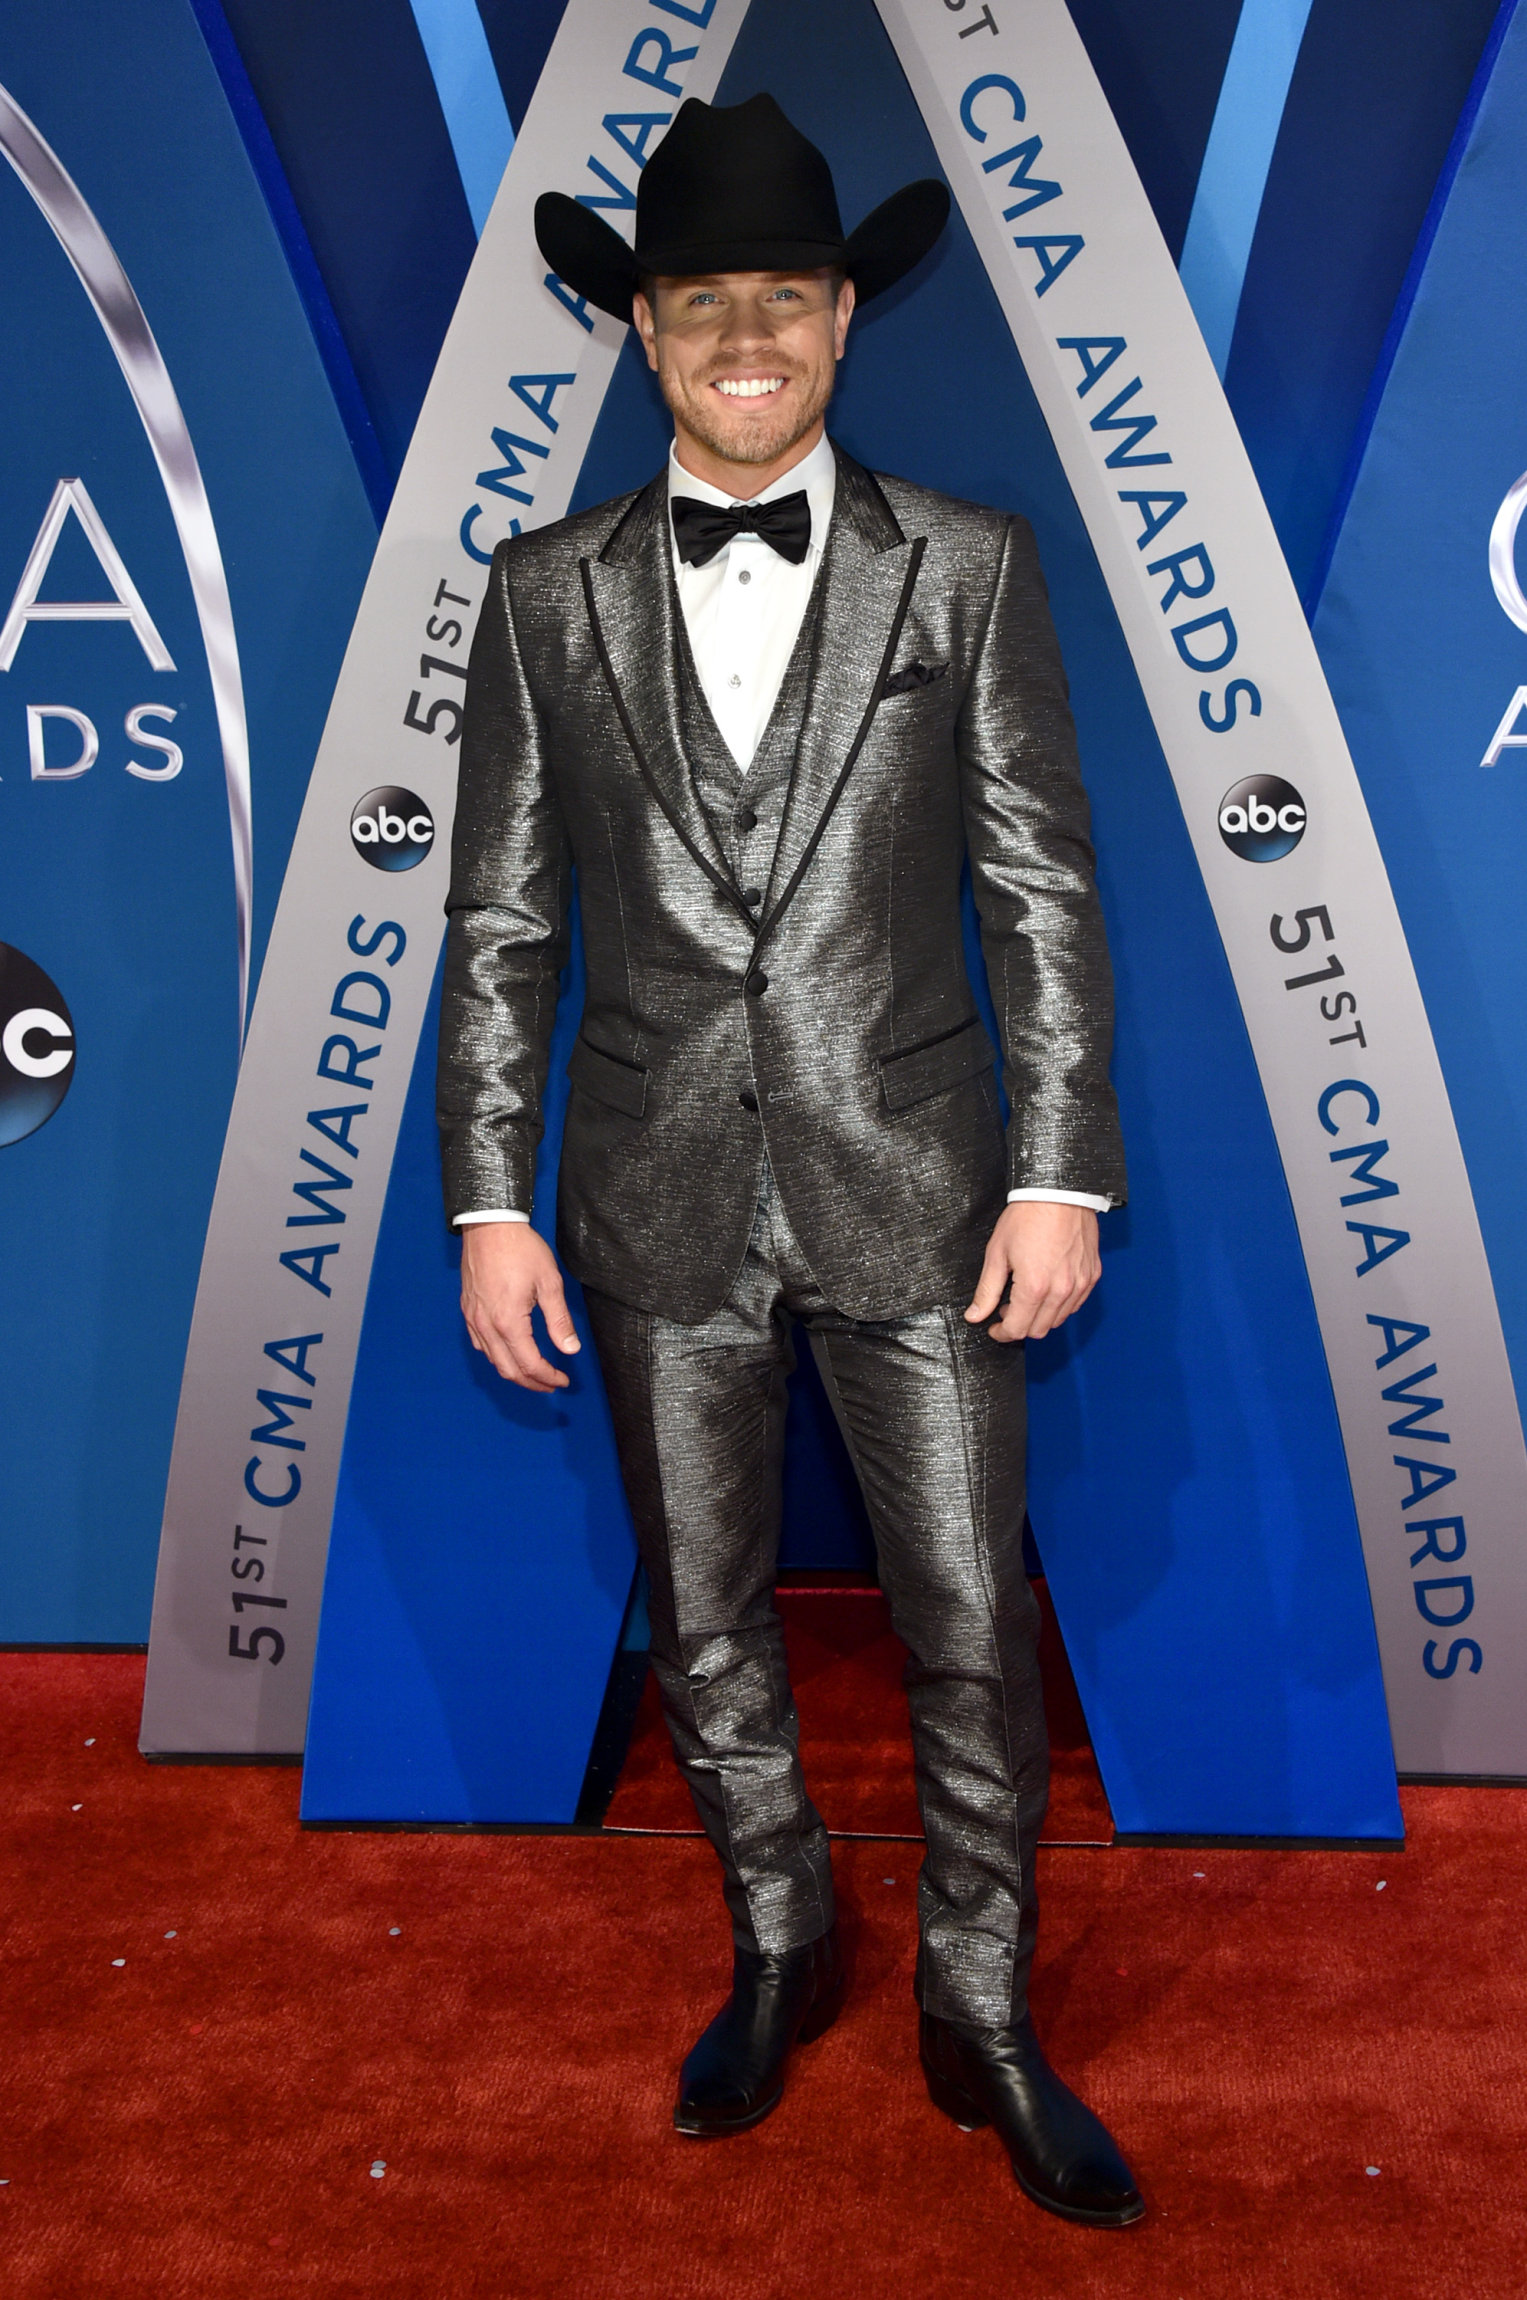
866 588
867 583
632 605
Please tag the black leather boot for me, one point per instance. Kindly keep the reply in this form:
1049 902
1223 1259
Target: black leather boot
736 2073
1063 2156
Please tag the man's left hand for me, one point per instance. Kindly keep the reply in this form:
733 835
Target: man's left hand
1048 1254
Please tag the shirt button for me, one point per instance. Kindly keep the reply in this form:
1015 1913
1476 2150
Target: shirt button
748 1098
756 983
743 576
746 819
734 680
752 896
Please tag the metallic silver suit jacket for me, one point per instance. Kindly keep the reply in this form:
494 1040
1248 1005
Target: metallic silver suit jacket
936 727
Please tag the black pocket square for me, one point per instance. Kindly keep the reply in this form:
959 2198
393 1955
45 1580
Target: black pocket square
913 675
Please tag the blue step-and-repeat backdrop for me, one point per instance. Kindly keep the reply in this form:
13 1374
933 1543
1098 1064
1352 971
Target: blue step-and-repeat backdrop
236 235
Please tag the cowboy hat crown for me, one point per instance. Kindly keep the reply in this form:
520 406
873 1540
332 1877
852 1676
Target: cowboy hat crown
736 188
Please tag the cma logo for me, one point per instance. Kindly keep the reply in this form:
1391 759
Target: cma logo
392 828
1508 590
1262 819
36 1046
126 605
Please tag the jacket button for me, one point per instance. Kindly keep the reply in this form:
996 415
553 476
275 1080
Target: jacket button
748 1098
752 896
746 819
756 983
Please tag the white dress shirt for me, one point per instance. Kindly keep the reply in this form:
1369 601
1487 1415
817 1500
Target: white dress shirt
743 612
744 609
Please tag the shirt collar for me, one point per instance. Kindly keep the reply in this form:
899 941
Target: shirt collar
816 472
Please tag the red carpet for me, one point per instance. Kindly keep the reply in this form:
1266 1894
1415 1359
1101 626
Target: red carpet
200 2119
845 1664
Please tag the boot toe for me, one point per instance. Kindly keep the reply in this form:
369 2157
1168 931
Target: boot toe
1098 2190
1070 2164
717 2101
1063 2156
736 2073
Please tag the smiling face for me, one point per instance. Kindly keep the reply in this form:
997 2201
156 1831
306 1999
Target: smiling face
746 361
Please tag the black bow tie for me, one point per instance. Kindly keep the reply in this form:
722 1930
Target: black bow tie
703 529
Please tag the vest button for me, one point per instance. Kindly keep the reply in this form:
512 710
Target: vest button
748 1098
746 819
752 896
756 983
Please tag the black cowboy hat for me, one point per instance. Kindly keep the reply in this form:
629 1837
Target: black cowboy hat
736 188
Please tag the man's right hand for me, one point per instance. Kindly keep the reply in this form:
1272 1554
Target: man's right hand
506 1269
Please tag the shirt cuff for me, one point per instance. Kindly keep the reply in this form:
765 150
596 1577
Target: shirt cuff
492 1214
1062 1198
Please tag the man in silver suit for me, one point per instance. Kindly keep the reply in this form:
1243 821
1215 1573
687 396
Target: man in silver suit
767 707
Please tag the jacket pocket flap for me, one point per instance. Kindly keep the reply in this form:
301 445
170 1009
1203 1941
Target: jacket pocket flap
620 1084
927 1070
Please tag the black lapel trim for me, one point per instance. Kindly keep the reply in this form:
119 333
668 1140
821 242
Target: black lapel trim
768 924
632 508
723 883
859 476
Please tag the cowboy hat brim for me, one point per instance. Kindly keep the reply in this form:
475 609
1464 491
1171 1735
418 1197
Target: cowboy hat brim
591 258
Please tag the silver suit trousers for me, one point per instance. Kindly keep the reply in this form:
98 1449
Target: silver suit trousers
934 1416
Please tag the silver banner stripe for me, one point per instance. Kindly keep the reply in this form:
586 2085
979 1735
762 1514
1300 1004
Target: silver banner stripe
1401 1285
499 443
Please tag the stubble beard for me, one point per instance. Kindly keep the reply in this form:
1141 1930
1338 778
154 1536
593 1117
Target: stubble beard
759 438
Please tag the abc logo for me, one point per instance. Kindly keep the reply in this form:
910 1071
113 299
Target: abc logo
1262 819
392 829
36 1046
